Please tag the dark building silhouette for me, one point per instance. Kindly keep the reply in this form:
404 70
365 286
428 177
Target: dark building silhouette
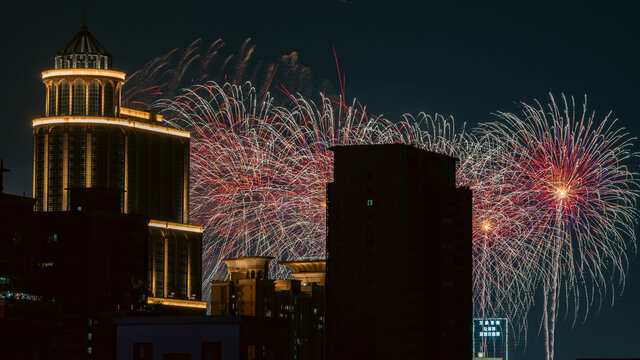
233 337
16 230
399 256
94 264
24 326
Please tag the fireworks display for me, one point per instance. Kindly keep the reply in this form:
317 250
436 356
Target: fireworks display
553 201
259 171
503 272
571 171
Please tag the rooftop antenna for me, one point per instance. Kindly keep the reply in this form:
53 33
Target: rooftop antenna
2 171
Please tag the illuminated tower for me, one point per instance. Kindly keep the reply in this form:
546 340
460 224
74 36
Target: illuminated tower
88 140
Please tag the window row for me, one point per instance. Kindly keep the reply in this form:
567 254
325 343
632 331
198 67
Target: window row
80 98
82 61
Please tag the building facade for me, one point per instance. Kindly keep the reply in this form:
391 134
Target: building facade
201 337
299 302
398 255
88 140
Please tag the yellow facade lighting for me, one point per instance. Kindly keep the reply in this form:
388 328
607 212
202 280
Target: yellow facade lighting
139 114
109 121
176 302
175 226
83 72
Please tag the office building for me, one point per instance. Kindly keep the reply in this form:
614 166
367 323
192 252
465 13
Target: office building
93 263
110 235
88 140
398 255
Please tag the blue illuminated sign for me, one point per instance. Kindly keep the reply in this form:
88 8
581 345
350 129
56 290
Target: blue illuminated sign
490 337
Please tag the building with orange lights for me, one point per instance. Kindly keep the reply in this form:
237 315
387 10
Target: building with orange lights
299 301
110 235
88 140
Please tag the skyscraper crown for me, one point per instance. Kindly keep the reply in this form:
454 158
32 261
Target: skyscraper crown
84 51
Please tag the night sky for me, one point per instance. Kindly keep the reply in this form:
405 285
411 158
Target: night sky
464 59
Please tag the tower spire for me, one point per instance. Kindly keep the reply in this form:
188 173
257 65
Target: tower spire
84 17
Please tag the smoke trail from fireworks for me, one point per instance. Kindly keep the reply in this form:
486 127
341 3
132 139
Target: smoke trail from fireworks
572 173
164 76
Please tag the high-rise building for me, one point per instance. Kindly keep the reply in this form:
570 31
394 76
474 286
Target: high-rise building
88 140
398 255
491 338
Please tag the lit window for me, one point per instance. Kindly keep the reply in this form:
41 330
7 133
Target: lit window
497 333
492 322
89 350
369 202
497 322
89 336
53 239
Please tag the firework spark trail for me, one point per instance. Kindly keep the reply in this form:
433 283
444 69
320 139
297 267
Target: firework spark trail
503 270
572 174
198 63
259 171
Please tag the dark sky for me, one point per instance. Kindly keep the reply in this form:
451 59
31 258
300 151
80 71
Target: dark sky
464 59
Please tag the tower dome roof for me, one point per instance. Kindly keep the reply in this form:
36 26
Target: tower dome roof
83 51
84 43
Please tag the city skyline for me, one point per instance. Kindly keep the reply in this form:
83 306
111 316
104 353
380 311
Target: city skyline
610 73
